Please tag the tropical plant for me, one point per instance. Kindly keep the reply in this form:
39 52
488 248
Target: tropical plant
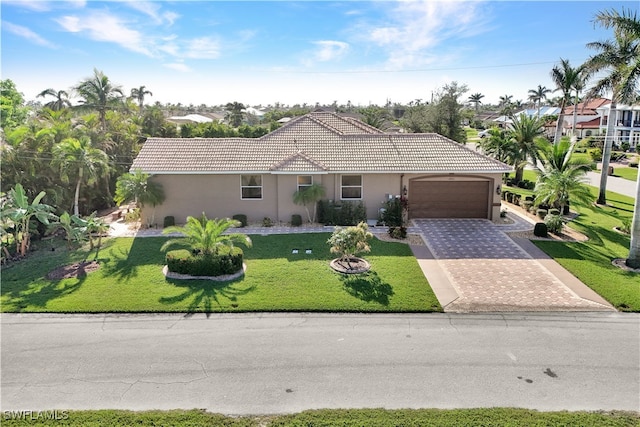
561 178
60 102
206 235
99 94
499 145
235 113
349 241
567 79
140 188
138 94
538 95
617 63
72 228
309 196
525 133
12 109
375 116
476 100
20 211
78 158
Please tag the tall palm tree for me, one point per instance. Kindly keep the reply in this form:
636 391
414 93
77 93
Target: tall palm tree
476 100
77 157
235 113
526 135
98 93
567 79
60 102
619 59
139 94
538 95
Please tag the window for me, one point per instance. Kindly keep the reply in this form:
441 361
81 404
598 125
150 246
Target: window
351 187
251 186
304 182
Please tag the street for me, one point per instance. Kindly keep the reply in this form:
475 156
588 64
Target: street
282 362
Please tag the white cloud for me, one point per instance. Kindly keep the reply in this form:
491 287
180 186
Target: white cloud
105 27
178 66
202 48
26 33
326 50
44 6
412 31
152 9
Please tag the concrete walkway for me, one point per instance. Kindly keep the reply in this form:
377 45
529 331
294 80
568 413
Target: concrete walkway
473 266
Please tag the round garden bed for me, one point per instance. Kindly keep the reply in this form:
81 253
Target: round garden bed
358 265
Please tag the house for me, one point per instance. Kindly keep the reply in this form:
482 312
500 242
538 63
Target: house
353 161
627 123
587 117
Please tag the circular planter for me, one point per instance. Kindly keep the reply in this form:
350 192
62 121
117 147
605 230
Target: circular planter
223 278
358 265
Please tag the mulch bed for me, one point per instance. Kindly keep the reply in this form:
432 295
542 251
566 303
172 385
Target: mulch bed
77 269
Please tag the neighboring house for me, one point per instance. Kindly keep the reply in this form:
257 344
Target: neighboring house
587 118
189 118
627 123
352 160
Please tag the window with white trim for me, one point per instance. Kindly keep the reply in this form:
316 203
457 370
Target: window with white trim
351 187
304 182
251 187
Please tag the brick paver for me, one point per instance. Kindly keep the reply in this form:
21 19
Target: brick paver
490 272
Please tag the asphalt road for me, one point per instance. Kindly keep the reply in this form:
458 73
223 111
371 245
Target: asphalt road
280 363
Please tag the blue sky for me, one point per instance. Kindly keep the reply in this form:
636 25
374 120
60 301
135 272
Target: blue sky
263 52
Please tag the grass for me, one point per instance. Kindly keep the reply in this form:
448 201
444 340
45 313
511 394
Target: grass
506 417
627 173
591 261
130 280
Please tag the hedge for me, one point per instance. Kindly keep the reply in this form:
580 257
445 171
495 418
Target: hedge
182 261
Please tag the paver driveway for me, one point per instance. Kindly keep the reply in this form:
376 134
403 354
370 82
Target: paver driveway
490 272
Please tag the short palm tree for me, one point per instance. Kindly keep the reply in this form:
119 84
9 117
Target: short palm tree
561 177
309 195
499 145
78 158
206 235
141 189
525 133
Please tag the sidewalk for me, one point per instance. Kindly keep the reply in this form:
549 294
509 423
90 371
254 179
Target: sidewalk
614 183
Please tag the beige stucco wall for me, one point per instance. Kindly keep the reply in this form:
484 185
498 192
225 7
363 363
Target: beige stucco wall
219 196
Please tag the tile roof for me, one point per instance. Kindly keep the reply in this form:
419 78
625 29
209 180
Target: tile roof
315 143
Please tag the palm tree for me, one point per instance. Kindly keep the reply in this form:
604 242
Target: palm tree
566 79
475 99
61 99
525 134
206 235
235 113
77 157
537 95
141 189
98 93
506 108
307 196
561 177
619 59
499 145
139 94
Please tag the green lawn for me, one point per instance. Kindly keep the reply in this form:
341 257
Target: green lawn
505 417
130 280
626 173
591 261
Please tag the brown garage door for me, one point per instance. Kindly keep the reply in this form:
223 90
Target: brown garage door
448 199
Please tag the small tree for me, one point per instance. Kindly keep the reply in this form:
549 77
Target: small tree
347 242
141 189
206 235
309 195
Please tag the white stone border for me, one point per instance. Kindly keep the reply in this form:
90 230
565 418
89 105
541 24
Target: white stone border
335 264
223 278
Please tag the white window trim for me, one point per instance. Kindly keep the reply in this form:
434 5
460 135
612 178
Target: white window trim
352 186
252 186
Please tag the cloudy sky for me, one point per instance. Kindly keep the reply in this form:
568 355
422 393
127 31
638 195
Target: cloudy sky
263 52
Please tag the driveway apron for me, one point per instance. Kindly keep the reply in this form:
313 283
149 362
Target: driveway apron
490 272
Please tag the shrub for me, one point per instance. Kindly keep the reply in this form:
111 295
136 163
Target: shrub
596 154
633 164
626 226
554 223
503 213
346 213
530 198
392 214
267 222
516 199
398 232
504 195
241 218
296 220
554 211
526 204
228 261
541 213
169 220
540 229
132 216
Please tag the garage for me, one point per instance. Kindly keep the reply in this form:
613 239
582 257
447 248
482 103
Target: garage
449 199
